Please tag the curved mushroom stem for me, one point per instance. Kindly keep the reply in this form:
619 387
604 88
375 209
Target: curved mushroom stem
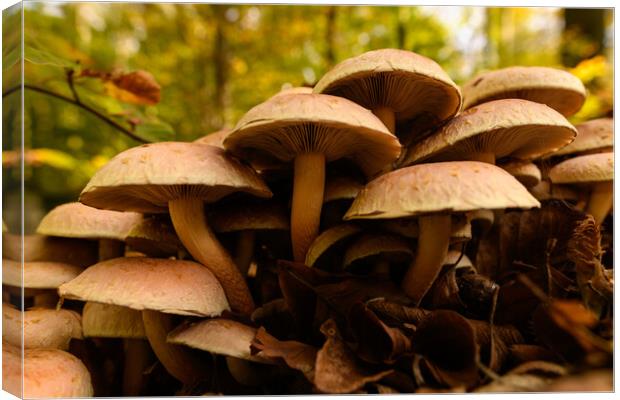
482 157
245 250
190 223
308 190
177 360
601 200
386 115
111 248
433 245
136 362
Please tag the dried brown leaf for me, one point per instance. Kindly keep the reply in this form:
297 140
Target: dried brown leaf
337 369
138 87
297 355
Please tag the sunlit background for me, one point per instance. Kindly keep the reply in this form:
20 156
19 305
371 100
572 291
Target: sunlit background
214 62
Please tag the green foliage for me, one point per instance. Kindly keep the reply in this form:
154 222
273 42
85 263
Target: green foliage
214 62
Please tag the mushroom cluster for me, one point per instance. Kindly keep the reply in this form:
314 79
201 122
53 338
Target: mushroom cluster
354 237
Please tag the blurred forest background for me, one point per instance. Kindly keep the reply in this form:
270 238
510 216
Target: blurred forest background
214 62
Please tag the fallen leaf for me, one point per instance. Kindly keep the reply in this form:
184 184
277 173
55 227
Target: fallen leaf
138 87
337 369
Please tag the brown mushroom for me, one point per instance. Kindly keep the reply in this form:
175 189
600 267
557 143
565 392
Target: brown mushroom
310 130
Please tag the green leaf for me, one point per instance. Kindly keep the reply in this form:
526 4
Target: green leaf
37 56
155 131
12 57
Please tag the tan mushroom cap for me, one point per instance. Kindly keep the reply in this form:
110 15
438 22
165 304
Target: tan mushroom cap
410 84
596 135
140 283
454 255
507 128
218 336
77 220
48 248
42 328
329 238
546 191
147 177
38 274
341 187
154 236
292 124
234 217
446 187
387 247
584 169
214 139
526 172
47 373
558 89
111 321
294 90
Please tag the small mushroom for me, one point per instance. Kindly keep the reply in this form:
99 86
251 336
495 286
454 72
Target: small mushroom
215 138
310 130
381 250
513 128
76 220
112 321
432 192
397 85
155 236
158 288
593 171
558 89
42 328
46 373
150 179
48 248
526 172
594 136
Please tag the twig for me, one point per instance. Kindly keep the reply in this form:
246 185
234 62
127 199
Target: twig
83 106
70 73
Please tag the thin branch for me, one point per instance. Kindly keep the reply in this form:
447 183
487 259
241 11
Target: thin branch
70 73
85 107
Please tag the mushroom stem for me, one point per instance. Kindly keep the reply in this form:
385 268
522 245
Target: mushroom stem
245 250
308 190
386 115
136 362
177 360
482 157
243 371
190 223
46 299
433 245
110 248
601 200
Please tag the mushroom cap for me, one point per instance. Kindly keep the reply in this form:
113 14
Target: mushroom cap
154 236
233 217
140 283
508 128
218 336
293 90
546 191
410 84
386 246
38 274
526 172
111 321
341 187
558 89
76 220
447 187
590 168
593 136
290 124
215 138
147 177
42 328
47 373
455 255
329 238
49 248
